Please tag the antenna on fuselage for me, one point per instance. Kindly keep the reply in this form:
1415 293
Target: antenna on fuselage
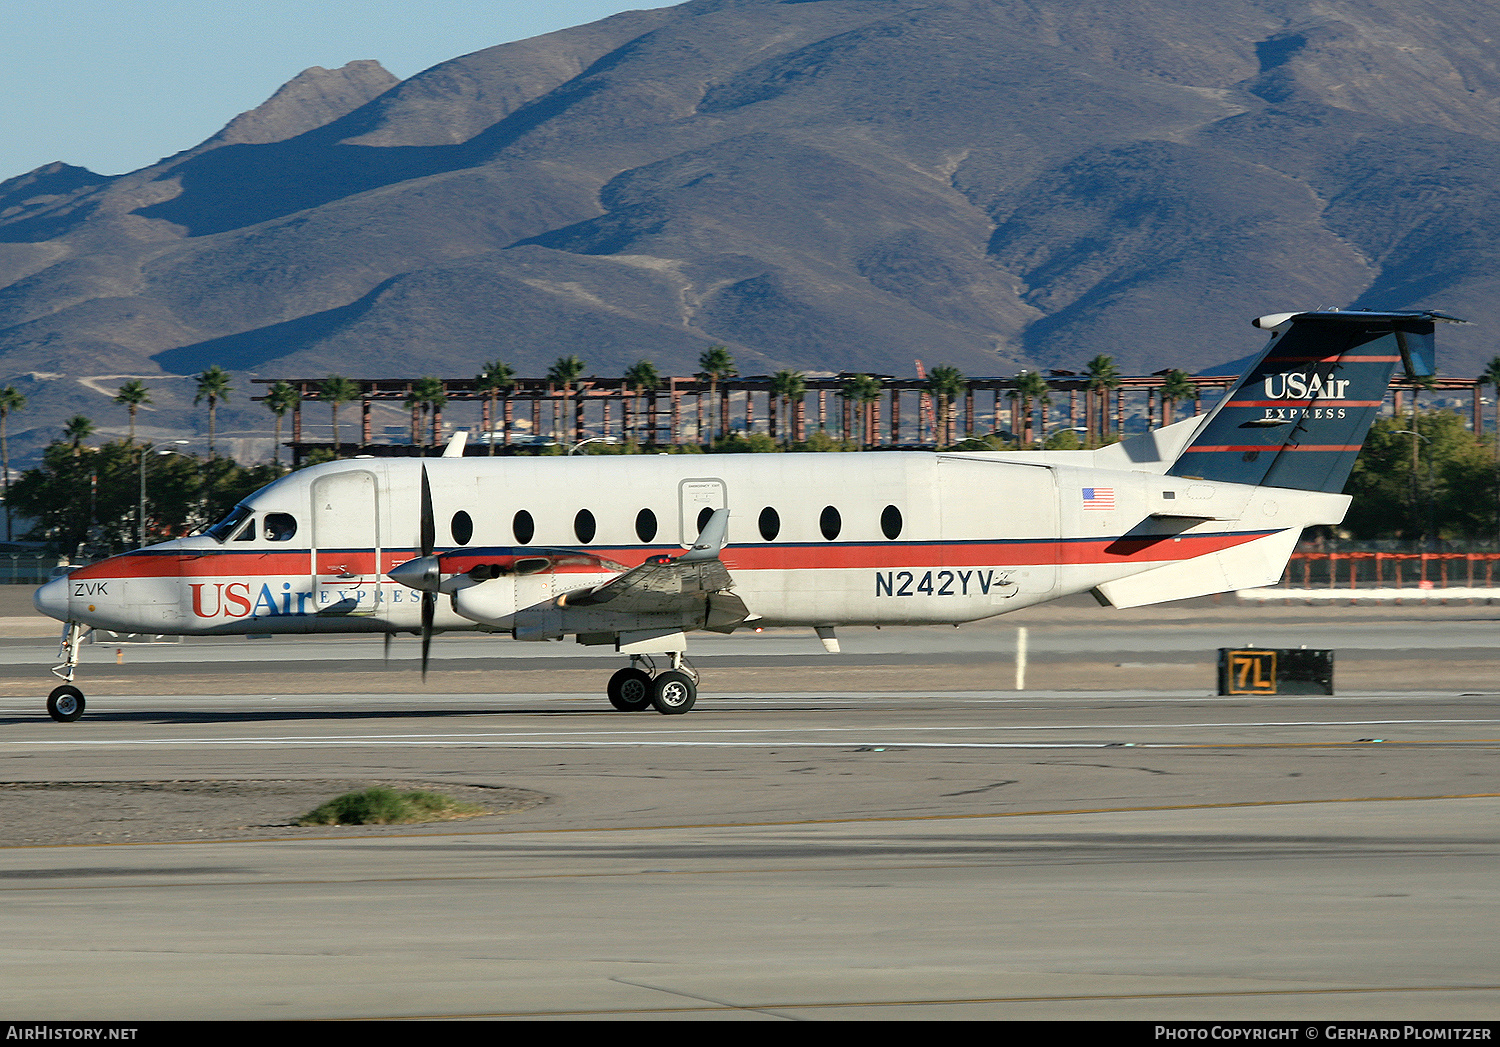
455 445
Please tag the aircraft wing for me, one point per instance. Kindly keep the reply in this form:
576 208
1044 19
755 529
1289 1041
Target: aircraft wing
655 587
665 584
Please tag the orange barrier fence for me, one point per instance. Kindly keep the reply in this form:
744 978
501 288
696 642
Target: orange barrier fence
1374 570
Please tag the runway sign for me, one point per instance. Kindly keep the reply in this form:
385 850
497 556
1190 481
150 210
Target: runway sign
1279 671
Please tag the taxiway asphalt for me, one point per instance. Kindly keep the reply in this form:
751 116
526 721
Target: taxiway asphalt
802 850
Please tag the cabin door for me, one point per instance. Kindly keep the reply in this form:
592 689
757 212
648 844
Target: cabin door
346 543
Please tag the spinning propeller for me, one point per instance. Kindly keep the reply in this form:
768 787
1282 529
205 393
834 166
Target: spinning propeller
424 573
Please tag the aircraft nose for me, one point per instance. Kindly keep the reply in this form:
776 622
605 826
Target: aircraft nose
52 599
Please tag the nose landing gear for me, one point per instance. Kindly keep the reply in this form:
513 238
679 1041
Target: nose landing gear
65 703
671 693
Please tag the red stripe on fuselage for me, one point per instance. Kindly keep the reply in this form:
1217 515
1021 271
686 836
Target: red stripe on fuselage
833 556
1273 359
1294 403
1277 447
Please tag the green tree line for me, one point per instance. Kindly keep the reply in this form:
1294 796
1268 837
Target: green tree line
1445 490
91 496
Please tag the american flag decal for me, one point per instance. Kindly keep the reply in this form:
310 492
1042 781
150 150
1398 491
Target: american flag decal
1098 497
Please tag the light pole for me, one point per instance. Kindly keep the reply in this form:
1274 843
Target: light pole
1063 429
1431 484
140 519
590 440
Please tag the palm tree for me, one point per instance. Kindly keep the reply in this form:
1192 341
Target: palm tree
1030 385
10 400
862 391
279 400
427 394
496 378
1103 376
133 394
789 387
947 384
564 372
78 429
336 390
643 377
1418 383
716 364
213 386
1179 388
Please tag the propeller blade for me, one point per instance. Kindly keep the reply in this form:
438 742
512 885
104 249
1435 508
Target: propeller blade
426 570
387 651
429 527
429 606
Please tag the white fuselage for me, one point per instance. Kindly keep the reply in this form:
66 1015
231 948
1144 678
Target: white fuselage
858 538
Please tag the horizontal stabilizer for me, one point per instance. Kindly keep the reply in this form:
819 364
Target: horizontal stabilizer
1245 566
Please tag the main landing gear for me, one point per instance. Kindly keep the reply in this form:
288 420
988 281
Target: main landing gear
671 692
65 703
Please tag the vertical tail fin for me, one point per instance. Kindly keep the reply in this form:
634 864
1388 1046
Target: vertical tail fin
1300 414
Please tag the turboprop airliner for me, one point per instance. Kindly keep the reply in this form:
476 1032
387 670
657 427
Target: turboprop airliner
637 552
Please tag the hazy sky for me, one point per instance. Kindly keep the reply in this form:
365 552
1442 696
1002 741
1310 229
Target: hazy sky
114 85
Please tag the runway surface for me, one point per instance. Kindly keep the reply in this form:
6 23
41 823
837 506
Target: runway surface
802 852
1072 645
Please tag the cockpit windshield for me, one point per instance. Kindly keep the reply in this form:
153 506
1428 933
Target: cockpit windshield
221 531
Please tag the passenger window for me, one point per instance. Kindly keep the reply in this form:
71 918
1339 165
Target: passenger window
645 525
770 524
704 515
890 522
584 526
462 527
523 527
280 527
830 523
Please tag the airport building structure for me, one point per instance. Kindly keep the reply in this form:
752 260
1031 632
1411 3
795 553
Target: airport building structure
684 410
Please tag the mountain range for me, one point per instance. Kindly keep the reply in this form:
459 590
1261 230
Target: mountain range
827 185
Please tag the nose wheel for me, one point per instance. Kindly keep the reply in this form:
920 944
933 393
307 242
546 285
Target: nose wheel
671 693
65 703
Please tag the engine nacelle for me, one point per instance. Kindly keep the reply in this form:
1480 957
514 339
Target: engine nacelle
490 603
542 622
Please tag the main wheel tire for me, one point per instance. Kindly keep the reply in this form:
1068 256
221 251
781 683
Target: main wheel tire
65 703
673 693
629 690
